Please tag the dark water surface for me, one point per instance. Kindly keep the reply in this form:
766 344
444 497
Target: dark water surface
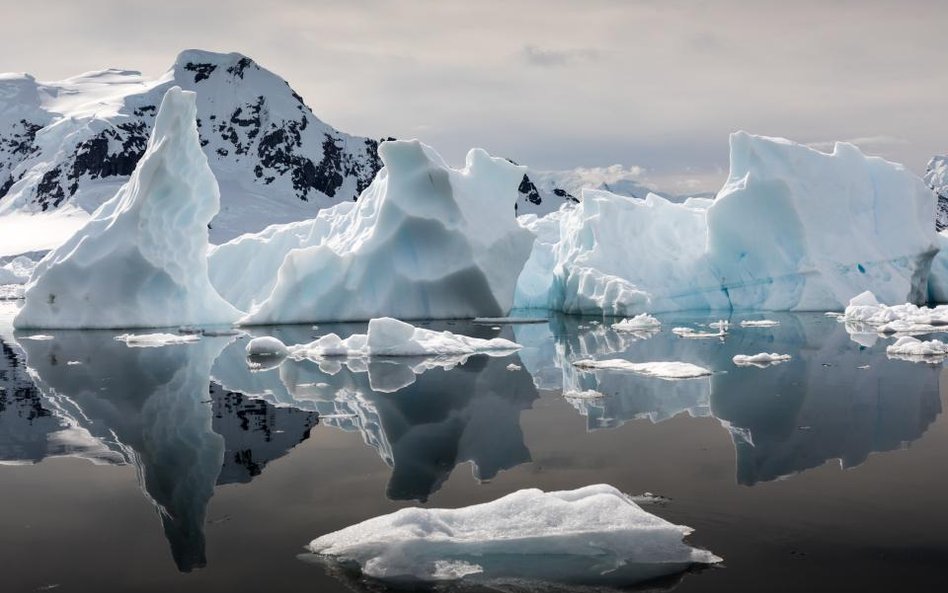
179 469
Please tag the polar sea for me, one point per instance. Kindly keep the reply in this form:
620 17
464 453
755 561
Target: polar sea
182 468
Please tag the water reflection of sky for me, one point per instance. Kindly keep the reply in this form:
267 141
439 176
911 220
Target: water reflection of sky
192 417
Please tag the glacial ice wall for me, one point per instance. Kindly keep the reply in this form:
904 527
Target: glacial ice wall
793 229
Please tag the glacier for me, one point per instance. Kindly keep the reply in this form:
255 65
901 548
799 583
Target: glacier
594 535
423 241
141 260
772 239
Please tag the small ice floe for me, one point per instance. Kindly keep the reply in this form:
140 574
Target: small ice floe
661 370
641 322
865 313
759 323
156 340
72 363
689 332
720 324
37 337
509 320
590 536
513 367
586 394
915 350
761 360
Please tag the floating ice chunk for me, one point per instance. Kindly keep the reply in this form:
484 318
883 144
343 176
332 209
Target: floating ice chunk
584 394
266 346
760 360
759 323
641 322
594 535
156 340
661 370
387 337
909 348
141 260
513 367
865 314
424 241
37 337
689 332
17 270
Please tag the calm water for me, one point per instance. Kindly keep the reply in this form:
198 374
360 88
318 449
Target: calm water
179 469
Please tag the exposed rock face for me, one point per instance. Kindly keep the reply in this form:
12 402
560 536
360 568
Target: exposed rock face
75 141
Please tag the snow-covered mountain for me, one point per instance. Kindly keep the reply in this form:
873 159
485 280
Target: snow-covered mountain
936 176
69 145
75 141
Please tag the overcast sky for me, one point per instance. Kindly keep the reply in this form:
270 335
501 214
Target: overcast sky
549 83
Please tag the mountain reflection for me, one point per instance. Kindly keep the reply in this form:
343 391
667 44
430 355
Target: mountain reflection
148 407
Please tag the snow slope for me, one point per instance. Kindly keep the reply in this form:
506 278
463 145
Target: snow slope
141 260
424 241
75 141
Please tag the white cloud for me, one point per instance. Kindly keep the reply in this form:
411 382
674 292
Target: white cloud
655 83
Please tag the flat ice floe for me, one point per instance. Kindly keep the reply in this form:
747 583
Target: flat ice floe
915 350
661 370
759 323
590 536
762 359
385 337
689 332
156 340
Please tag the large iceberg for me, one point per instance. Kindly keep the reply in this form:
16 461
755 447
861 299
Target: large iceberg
792 229
141 260
424 241
590 536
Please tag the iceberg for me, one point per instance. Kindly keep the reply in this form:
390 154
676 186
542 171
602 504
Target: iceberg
589 536
770 240
141 260
424 241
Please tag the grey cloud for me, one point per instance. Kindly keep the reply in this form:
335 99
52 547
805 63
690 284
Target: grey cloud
538 56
